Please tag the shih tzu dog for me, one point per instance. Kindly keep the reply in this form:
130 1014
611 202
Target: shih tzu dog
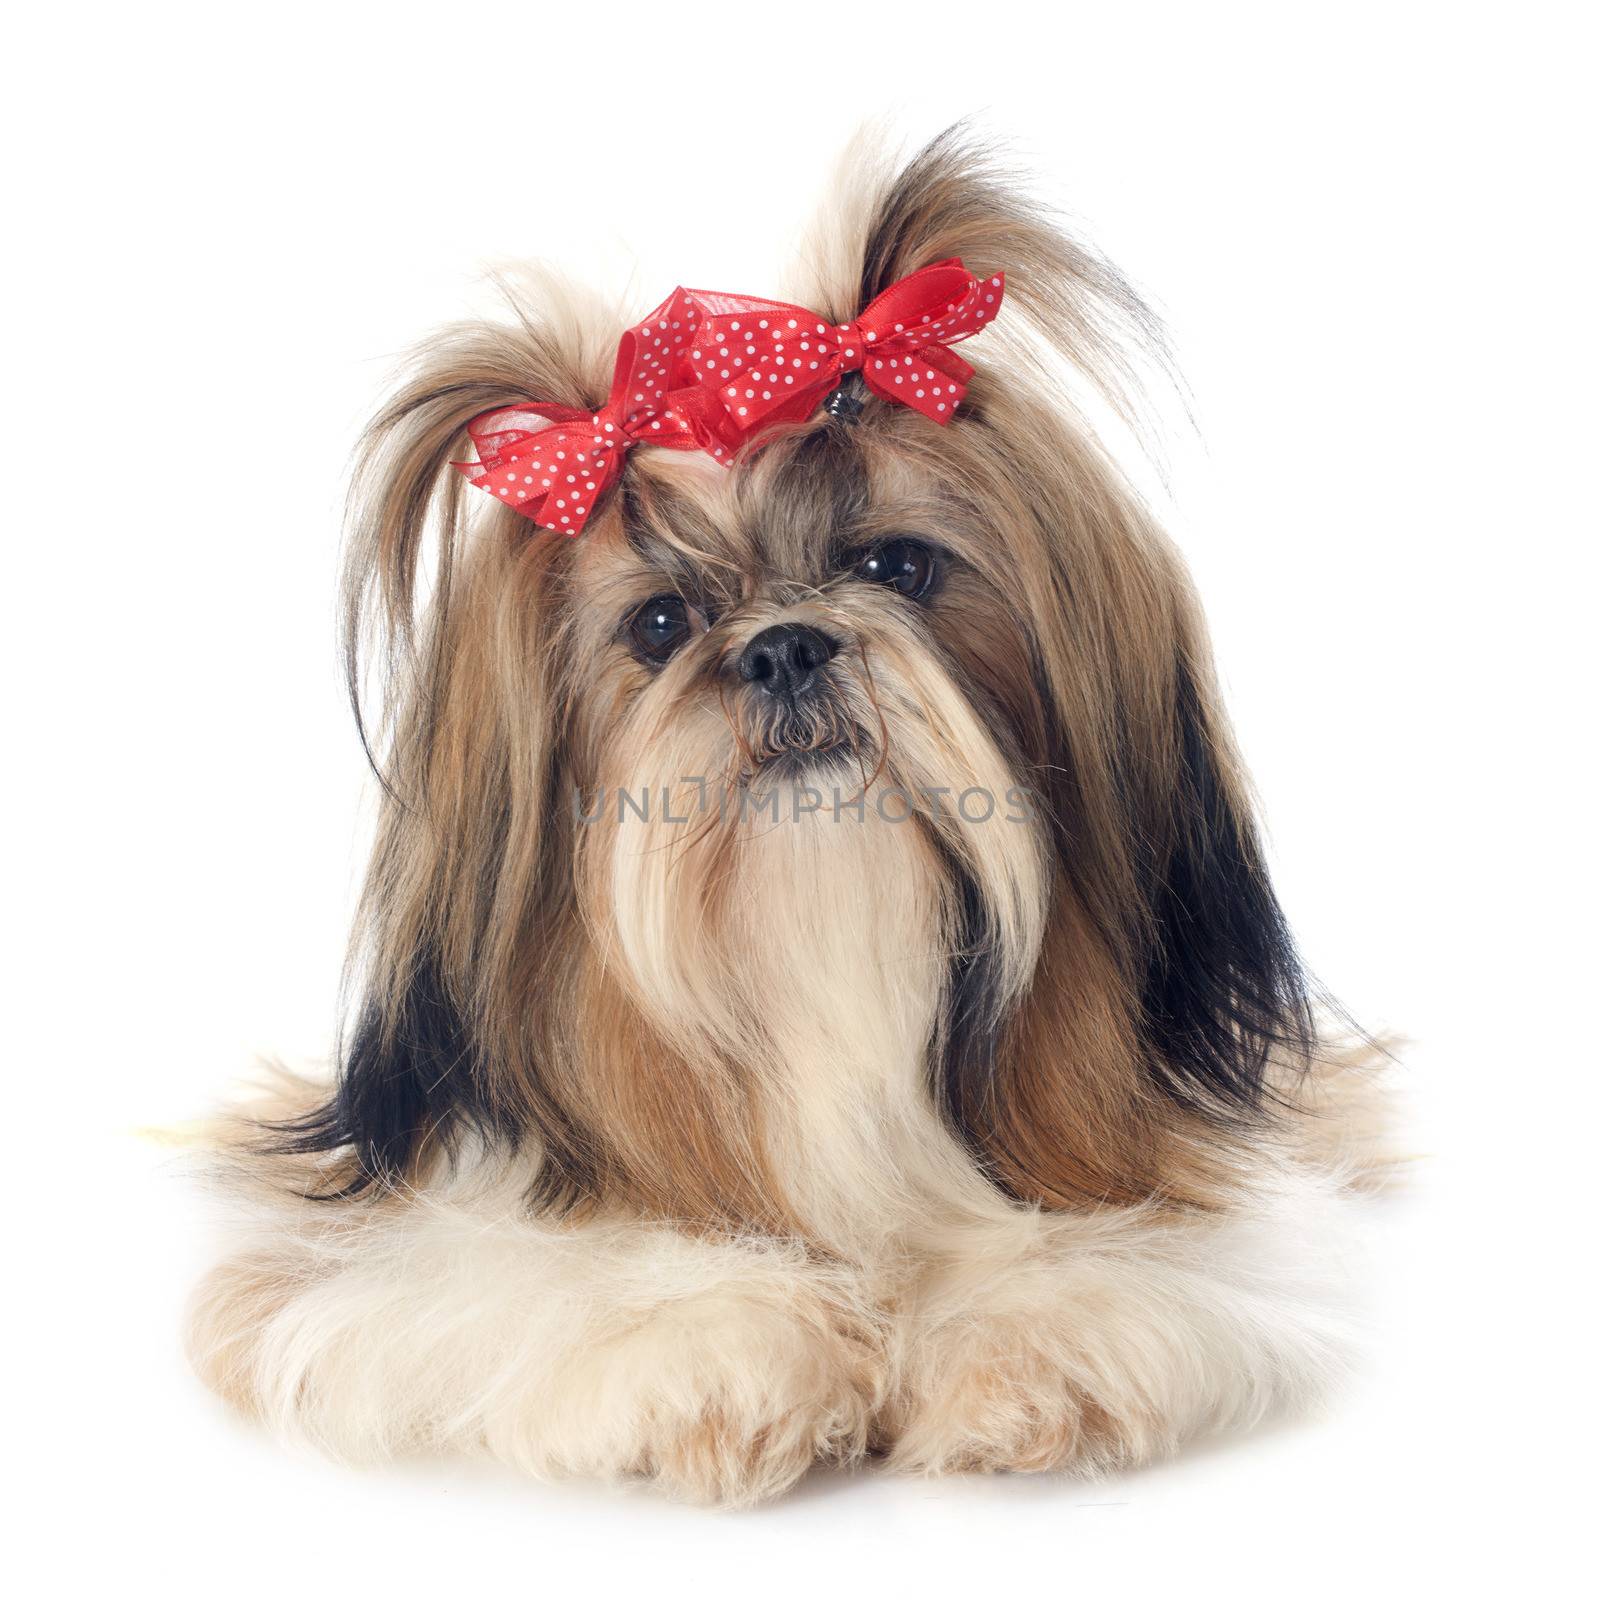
819 988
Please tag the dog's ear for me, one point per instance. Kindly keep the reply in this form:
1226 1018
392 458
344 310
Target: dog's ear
448 606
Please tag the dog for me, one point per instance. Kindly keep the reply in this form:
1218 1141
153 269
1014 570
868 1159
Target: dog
819 989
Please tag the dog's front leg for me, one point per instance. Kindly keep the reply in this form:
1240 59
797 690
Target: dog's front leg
723 1368
1106 1339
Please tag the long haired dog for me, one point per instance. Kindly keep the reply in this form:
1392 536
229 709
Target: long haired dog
820 989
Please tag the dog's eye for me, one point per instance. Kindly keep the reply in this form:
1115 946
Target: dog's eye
903 565
660 626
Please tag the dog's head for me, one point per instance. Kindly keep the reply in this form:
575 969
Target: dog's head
943 688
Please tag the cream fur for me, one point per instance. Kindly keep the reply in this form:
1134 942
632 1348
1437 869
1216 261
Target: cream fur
454 1322
724 1368
831 1007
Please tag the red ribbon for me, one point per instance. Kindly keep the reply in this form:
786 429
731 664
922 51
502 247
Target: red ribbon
708 371
758 363
553 463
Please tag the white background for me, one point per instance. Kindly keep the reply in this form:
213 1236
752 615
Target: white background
1370 230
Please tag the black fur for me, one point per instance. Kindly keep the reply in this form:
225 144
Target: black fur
399 1081
1223 989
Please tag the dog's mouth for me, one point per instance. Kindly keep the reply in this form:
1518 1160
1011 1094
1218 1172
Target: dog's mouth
833 724
805 729
832 764
794 734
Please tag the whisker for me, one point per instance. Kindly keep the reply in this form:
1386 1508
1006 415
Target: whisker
883 725
733 726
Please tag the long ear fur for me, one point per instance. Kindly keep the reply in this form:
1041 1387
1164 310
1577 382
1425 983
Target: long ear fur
468 839
1168 978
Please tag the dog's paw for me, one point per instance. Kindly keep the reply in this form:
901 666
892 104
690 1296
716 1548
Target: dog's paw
737 1456
725 1400
990 1397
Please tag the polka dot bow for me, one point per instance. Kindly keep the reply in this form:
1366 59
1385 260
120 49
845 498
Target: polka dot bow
554 463
760 362
709 371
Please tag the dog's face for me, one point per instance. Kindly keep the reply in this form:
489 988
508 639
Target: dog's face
883 692
829 640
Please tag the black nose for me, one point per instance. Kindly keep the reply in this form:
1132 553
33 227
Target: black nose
784 660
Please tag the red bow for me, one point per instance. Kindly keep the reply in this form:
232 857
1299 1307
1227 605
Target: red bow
758 363
552 463
706 371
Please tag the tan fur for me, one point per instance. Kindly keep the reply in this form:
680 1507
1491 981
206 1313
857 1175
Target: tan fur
718 1217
